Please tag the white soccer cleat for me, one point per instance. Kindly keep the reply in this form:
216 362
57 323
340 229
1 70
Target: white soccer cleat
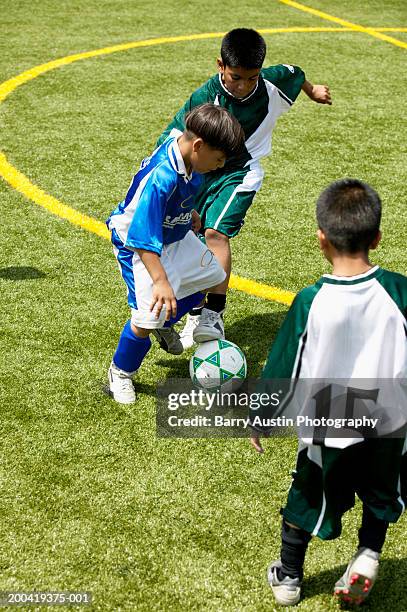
287 591
169 340
187 334
210 326
121 386
359 577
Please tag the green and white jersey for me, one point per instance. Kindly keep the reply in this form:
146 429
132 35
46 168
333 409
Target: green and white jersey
344 333
276 90
344 327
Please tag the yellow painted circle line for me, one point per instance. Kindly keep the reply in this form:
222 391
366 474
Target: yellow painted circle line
21 183
375 32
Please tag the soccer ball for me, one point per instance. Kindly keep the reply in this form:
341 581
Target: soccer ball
218 365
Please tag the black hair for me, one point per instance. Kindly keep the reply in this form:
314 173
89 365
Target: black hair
217 128
243 47
349 213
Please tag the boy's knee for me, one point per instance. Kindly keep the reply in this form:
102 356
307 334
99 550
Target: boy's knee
140 332
292 534
214 235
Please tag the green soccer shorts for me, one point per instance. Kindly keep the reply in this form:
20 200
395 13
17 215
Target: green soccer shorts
326 480
225 197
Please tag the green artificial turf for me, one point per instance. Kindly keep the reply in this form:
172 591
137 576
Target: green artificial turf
90 498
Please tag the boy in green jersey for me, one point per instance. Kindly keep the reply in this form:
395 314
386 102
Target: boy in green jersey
256 96
351 325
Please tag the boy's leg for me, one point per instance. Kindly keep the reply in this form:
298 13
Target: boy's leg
285 574
209 324
294 544
139 286
196 270
360 575
167 336
133 346
372 533
222 204
381 464
208 315
219 244
318 497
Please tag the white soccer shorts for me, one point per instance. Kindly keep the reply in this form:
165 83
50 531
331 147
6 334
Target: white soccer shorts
190 267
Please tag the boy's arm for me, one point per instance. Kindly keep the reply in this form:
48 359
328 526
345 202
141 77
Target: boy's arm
290 80
163 294
146 229
317 93
145 235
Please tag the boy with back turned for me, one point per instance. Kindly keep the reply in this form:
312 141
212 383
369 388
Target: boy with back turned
257 97
350 325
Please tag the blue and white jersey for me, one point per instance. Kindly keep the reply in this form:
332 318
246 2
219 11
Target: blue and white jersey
157 209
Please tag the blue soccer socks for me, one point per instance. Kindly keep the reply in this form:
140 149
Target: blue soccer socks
131 350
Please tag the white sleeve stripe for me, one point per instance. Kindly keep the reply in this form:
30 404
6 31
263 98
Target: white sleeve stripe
286 98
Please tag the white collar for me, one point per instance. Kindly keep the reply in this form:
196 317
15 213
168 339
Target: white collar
352 278
176 158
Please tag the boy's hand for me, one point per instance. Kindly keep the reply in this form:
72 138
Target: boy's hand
255 442
163 294
196 222
321 94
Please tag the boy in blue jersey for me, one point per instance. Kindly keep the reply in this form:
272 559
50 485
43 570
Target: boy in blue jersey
164 264
350 326
257 97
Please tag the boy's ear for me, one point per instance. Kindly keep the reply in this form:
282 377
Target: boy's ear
220 65
322 239
376 241
197 144
324 245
